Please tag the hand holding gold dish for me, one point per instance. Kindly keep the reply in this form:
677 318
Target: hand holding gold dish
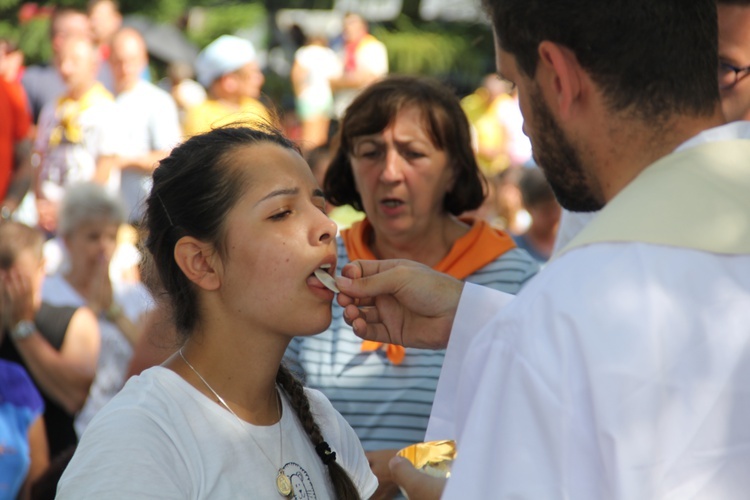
433 458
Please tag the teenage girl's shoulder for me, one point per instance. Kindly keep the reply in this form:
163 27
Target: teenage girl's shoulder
334 427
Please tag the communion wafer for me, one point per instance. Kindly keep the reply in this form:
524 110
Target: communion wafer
327 280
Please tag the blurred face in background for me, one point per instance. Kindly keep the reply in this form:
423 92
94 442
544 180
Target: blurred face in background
354 28
105 21
248 80
11 61
128 59
734 49
93 241
68 25
77 64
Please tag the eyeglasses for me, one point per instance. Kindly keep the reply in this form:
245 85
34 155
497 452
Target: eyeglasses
729 75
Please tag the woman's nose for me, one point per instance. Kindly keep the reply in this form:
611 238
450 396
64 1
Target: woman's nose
392 169
328 229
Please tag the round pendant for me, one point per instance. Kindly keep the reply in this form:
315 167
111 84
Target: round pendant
283 484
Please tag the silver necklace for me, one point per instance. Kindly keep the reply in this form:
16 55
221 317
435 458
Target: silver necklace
283 483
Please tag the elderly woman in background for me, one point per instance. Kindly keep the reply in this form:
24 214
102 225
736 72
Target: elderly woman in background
404 157
89 222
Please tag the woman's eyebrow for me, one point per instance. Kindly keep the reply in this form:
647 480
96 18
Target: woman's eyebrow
279 192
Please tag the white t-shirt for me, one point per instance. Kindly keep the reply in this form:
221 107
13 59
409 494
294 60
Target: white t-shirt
149 122
71 163
115 351
320 64
162 438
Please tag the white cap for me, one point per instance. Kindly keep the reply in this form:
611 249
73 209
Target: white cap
225 54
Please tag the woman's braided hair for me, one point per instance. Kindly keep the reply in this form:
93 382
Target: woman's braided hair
342 483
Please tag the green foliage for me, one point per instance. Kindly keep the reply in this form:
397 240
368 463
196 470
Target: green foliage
33 39
166 11
227 19
452 51
274 5
7 30
9 19
445 51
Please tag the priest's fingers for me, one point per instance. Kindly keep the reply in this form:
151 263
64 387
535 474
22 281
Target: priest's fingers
416 484
368 314
366 324
377 332
370 278
364 268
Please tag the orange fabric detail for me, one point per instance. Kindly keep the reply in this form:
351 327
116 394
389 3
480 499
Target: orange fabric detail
474 250
395 353
477 248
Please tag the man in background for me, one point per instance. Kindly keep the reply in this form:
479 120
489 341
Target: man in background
43 84
734 58
228 68
364 58
149 125
76 135
106 20
540 202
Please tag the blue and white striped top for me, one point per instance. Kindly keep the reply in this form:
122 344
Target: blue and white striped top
387 405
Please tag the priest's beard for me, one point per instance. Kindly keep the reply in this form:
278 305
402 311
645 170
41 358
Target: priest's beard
559 160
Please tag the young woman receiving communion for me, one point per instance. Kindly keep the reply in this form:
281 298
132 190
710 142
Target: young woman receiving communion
237 231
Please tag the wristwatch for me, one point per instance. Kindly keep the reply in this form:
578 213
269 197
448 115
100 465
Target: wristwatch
22 330
5 213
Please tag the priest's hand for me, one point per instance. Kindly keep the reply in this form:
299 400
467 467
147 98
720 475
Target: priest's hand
415 484
399 301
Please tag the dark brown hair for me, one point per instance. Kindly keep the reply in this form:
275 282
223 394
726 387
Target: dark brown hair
651 58
446 124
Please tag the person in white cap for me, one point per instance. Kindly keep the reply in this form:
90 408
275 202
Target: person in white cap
228 68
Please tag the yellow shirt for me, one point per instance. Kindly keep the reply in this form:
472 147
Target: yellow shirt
212 114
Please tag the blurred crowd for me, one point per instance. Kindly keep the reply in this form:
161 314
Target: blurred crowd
79 139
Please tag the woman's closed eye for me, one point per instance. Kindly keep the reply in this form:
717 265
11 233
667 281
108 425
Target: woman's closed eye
412 154
281 215
369 153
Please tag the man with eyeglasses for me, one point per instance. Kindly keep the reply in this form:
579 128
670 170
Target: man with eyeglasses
734 88
734 58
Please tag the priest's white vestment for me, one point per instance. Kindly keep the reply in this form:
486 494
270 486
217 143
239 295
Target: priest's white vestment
622 371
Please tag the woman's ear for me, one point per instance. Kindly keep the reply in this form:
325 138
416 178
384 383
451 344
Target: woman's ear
198 260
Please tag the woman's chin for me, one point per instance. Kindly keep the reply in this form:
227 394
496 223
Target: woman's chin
319 325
